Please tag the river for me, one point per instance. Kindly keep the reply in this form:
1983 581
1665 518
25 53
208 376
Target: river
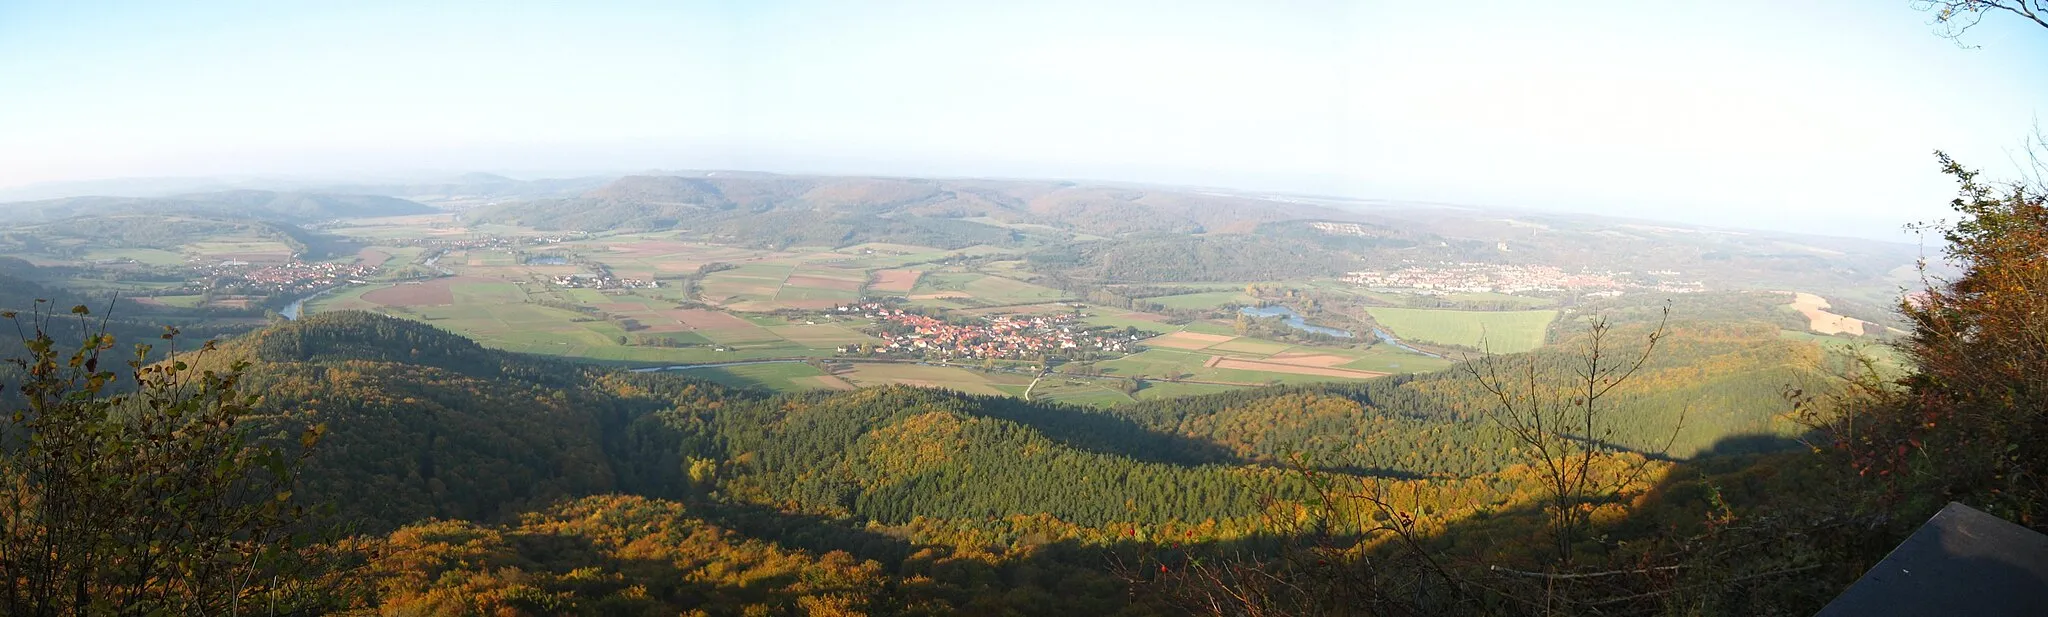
1388 338
1294 320
292 311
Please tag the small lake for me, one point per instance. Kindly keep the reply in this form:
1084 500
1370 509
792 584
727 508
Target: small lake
1294 320
547 260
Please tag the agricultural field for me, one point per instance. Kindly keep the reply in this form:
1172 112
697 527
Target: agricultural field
1499 331
192 301
252 250
1081 391
742 310
774 377
929 376
400 227
1202 356
974 289
153 257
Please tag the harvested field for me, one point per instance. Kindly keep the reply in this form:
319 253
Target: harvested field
1308 359
372 257
895 280
1187 340
1249 346
832 383
1276 367
620 307
700 319
1821 321
944 295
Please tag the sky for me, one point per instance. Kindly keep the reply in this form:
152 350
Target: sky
1818 116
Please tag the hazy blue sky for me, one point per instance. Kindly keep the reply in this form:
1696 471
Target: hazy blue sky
1814 115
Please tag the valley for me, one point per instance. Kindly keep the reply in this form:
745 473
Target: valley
903 392
1220 309
680 291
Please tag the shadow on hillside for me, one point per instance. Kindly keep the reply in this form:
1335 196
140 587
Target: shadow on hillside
1095 431
817 534
666 580
1787 515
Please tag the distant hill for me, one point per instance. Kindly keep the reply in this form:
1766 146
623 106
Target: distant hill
1166 257
471 189
293 207
759 208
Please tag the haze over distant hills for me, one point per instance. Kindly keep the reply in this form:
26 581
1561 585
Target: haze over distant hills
246 203
1162 233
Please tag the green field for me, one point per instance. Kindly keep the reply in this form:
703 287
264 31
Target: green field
1499 331
1100 317
229 247
979 290
1884 356
152 257
951 378
178 301
1080 391
1203 300
1521 302
776 377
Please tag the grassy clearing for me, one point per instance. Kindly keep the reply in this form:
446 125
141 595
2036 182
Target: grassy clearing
1080 391
1885 356
972 382
777 377
1502 331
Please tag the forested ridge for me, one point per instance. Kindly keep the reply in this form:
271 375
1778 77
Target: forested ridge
462 465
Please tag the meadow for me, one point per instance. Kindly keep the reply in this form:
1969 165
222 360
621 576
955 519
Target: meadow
776 376
1498 331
